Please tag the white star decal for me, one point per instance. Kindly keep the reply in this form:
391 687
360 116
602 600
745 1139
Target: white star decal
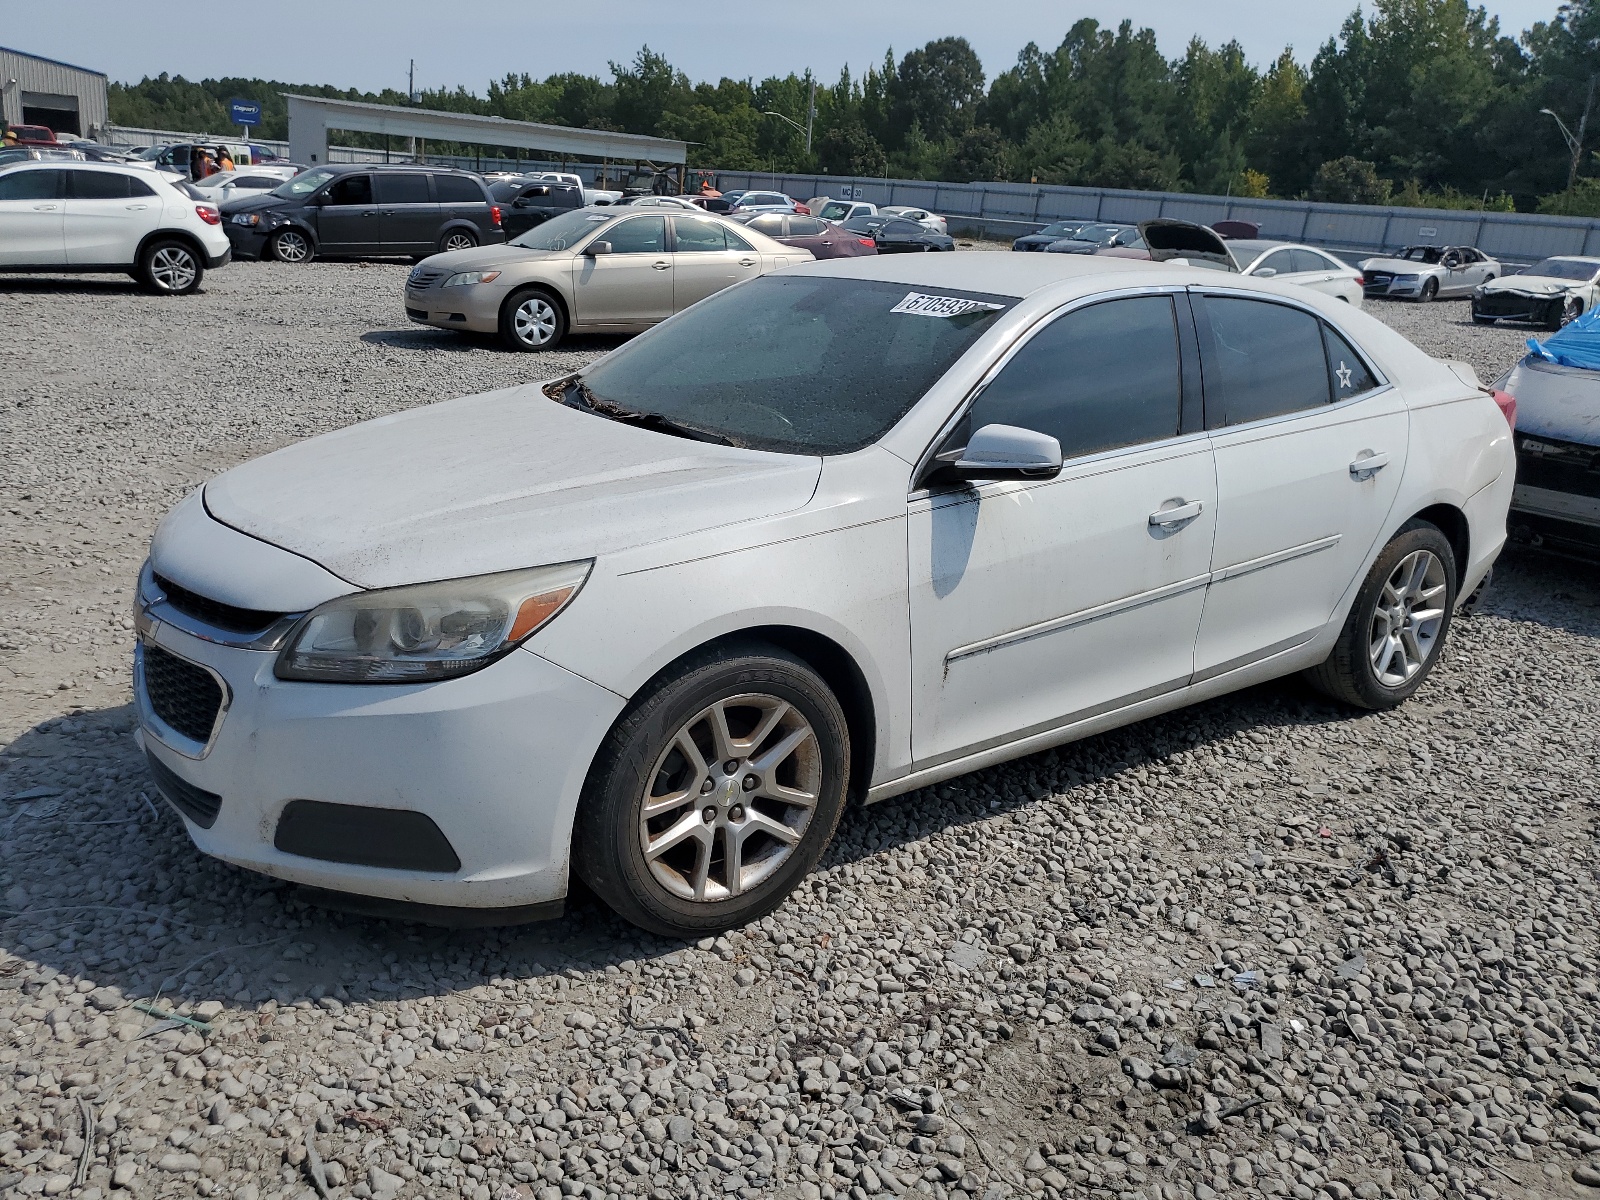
1344 374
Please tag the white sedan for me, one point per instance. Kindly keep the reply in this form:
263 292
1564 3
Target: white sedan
828 536
928 220
1304 265
246 181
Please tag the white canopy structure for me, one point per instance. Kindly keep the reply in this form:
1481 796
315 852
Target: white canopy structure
310 118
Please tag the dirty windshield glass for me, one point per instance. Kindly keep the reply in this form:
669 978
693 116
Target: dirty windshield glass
796 364
1563 268
304 184
563 232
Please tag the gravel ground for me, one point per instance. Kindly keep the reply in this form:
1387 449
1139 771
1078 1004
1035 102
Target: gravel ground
1265 946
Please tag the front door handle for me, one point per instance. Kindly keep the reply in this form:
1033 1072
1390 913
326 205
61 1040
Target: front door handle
1368 464
137 207
661 266
44 208
371 212
1166 518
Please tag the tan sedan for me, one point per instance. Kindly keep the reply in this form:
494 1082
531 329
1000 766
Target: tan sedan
594 270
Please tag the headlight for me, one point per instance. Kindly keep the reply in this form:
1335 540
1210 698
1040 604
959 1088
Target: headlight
245 219
1407 278
427 631
466 278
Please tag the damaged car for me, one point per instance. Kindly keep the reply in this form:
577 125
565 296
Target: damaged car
1428 272
1556 387
1549 293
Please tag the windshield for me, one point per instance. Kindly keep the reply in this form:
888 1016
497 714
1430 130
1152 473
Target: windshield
304 183
506 190
1564 268
866 223
796 364
1096 233
563 232
833 210
1060 229
1422 254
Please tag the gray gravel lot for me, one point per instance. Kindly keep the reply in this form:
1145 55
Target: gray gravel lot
1262 947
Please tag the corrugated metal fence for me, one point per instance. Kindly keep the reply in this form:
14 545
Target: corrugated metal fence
1010 209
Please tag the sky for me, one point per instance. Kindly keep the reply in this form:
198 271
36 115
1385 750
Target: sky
366 45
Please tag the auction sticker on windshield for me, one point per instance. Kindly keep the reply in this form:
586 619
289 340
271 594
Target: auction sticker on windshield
922 305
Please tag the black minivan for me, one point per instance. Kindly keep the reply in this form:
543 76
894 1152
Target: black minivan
353 209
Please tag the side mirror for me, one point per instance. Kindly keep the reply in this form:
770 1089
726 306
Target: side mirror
522 202
597 248
1265 272
1005 452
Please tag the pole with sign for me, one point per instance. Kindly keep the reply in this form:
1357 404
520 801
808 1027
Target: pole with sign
245 113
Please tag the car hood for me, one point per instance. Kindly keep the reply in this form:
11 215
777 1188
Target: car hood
1537 285
1168 239
483 258
1399 266
495 482
256 202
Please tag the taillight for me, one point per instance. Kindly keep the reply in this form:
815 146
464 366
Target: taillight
494 213
802 210
1361 281
866 242
1508 406
208 214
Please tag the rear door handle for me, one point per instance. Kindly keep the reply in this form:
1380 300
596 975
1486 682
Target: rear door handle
1165 518
1369 464
747 262
661 266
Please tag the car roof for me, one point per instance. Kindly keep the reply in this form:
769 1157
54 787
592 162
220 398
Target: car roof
348 168
1583 258
997 274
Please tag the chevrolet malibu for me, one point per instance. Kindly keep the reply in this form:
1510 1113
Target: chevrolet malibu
830 536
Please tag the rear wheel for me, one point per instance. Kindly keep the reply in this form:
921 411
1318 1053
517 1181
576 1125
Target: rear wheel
171 267
457 239
532 320
1397 626
291 246
715 794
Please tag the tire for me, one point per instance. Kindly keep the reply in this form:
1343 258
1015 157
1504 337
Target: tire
1379 672
532 319
1565 314
457 239
768 699
1430 289
291 246
171 267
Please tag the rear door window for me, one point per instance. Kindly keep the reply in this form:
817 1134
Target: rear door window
698 235
1310 260
30 185
1096 379
404 189
1261 360
770 224
98 185
804 227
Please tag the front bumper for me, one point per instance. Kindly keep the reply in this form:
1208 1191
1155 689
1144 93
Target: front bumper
1394 289
248 241
1509 306
493 761
476 308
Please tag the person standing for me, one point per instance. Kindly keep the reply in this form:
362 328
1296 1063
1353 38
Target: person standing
224 159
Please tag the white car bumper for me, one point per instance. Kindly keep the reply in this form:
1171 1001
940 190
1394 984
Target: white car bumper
459 793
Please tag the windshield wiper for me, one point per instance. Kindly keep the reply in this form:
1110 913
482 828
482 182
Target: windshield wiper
577 390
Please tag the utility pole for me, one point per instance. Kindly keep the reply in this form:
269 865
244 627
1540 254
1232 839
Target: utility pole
811 106
1575 141
411 98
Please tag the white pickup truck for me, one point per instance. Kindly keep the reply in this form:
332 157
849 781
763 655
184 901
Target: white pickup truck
590 195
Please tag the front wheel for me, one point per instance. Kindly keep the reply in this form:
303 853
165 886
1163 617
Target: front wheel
1396 628
291 246
715 793
1430 289
532 320
1564 313
171 267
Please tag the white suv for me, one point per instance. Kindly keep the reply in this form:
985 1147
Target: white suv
86 216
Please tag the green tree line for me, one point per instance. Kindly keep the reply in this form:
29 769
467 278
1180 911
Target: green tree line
1411 101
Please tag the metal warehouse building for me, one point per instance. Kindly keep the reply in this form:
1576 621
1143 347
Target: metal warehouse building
41 91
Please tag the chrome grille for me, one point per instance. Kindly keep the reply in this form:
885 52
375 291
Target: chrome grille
423 277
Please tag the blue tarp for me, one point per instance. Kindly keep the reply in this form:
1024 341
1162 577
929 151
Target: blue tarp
1575 345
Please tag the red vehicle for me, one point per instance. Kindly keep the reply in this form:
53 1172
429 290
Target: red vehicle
823 239
30 135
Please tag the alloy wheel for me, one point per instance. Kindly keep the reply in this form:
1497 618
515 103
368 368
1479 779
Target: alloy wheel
1408 618
534 321
730 797
459 241
1571 311
173 268
292 247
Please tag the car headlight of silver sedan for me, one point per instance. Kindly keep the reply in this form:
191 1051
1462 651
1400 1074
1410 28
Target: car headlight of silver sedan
427 631
468 278
1407 278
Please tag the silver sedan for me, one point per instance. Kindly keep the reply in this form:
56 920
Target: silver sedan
1428 272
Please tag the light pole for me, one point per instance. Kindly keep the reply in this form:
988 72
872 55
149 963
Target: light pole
811 112
1575 141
